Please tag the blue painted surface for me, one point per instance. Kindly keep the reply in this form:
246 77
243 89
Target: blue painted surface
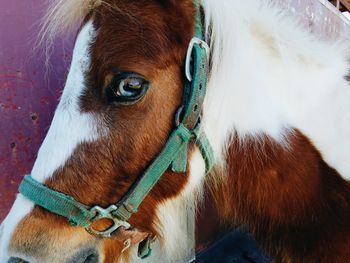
235 247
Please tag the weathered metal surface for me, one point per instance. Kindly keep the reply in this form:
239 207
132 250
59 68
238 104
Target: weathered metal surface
28 92
234 247
320 16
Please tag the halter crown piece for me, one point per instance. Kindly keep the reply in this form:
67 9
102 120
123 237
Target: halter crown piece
174 155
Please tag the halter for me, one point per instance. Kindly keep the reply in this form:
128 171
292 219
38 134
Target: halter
174 154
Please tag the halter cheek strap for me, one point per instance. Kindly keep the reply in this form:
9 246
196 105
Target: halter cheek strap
174 155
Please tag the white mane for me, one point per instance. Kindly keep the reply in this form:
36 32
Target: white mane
63 14
269 75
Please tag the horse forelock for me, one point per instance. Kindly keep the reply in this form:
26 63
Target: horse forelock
63 14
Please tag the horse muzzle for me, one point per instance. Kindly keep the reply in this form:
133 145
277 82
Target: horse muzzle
83 256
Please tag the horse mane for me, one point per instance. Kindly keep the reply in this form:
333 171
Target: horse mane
62 16
298 79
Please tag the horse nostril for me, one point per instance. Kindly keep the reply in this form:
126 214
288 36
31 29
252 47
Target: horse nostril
16 260
92 258
81 258
85 256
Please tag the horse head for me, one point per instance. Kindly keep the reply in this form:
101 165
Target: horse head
116 114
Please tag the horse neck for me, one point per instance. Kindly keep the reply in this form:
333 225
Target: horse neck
269 77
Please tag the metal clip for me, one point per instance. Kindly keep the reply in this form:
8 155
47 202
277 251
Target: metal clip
178 115
202 44
107 213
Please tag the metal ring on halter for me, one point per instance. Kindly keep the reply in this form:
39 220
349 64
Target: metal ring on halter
107 213
178 116
202 44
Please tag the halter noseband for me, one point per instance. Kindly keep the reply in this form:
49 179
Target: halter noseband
174 154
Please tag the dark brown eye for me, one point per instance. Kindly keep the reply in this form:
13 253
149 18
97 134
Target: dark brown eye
126 88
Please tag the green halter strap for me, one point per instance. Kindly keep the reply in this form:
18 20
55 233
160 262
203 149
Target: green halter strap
174 154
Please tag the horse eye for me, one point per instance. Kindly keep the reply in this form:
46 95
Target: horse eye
126 88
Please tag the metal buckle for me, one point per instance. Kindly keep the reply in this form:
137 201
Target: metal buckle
202 44
101 213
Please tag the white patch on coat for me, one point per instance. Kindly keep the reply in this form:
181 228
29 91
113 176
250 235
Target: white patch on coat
270 75
176 219
19 210
69 128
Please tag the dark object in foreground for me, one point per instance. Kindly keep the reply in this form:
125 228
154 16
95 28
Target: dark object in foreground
235 247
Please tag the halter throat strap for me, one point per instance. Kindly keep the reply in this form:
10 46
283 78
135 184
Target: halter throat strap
174 154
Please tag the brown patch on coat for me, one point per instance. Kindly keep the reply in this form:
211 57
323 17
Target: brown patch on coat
296 206
113 250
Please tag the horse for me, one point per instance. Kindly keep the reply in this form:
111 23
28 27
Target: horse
276 119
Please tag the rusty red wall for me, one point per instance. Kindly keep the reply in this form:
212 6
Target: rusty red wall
28 92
